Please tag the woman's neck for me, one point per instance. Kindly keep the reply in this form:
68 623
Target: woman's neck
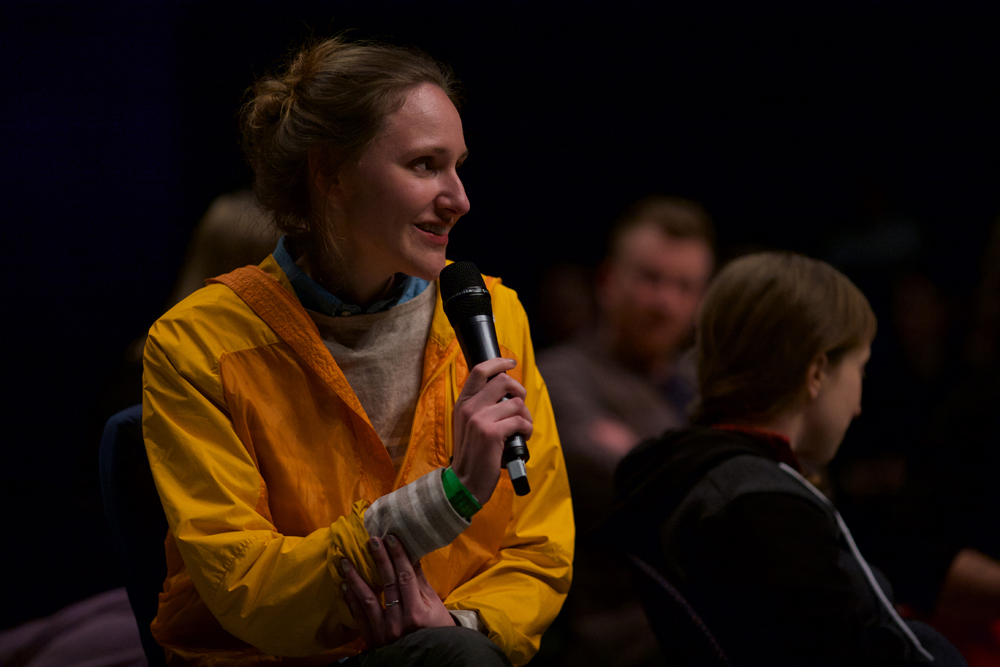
790 423
353 285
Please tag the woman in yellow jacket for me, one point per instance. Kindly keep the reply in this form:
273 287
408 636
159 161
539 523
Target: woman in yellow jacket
329 466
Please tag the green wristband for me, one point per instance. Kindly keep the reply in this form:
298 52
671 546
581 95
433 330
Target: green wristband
460 497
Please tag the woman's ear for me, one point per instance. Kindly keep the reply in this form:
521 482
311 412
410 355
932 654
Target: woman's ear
321 176
325 192
816 375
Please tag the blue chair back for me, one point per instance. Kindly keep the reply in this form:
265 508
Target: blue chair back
134 513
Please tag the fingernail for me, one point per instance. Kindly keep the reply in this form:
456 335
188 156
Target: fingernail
343 587
345 565
512 362
391 541
373 543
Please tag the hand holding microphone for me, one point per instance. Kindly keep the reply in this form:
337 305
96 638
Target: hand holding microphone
490 409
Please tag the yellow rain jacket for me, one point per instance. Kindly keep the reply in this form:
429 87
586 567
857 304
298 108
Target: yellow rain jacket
266 463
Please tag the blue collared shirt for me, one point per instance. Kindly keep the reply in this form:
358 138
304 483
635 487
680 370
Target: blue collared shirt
314 297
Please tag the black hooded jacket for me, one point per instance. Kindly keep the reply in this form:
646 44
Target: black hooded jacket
756 553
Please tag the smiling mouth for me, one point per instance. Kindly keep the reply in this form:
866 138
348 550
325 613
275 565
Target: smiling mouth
430 227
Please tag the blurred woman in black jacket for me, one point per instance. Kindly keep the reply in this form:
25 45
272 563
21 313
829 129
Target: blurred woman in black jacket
724 511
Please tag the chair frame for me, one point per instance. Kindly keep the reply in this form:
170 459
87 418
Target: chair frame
705 648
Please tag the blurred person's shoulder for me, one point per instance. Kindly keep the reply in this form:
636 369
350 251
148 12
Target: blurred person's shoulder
569 360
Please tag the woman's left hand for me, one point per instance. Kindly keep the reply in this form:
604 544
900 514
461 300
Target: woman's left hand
410 602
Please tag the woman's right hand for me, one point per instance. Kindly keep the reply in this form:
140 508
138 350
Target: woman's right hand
483 423
410 600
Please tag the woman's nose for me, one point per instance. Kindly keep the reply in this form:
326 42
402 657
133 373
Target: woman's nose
453 197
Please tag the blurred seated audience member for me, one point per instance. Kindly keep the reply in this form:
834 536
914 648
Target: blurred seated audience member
722 510
624 380
234 232
627 379
942 543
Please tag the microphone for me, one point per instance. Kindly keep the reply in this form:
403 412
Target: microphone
469 309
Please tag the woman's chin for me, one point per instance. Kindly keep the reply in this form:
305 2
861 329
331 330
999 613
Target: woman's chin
428 265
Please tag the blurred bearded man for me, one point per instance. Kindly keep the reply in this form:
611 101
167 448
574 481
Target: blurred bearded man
623 382
628 379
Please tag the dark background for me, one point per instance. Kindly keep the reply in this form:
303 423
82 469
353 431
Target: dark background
119 124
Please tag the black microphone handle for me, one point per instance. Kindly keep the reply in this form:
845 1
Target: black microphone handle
478 338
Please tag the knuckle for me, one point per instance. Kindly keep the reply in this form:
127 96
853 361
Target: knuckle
406 578
466 410
478 423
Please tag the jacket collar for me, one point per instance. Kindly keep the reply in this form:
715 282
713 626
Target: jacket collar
442 344
777 444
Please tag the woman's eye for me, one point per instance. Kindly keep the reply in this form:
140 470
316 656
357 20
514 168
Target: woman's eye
423 164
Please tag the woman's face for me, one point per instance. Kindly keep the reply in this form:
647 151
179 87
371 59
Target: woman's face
835 393
397 204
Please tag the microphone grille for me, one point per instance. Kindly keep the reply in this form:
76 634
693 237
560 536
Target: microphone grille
463 291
